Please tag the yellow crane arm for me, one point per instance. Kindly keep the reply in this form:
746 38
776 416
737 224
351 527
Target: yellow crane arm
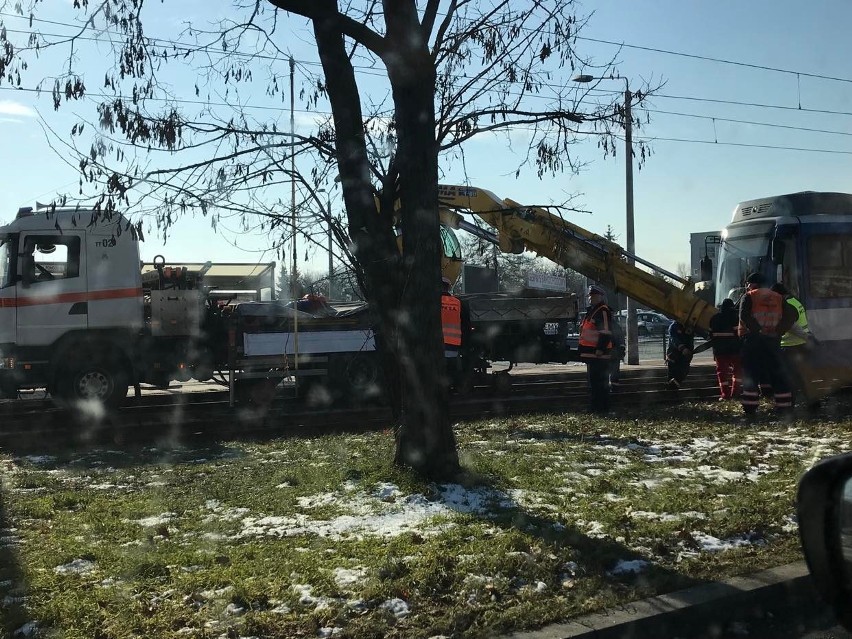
536 229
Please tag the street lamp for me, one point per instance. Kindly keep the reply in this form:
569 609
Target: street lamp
632 326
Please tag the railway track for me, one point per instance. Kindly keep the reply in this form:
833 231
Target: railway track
186 417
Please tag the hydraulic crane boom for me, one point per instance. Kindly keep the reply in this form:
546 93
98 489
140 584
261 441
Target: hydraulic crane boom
536 229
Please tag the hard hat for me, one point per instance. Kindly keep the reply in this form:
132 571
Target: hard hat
594 289
756 278
446 281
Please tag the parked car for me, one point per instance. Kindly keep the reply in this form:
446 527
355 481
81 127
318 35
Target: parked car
648 322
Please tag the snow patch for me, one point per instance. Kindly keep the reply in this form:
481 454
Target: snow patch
155 520
77 566
347 577
397 607
632 566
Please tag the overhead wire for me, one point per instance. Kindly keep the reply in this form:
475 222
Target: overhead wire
188 47
777 147
706 58
620 44
366 70
773 125
750 104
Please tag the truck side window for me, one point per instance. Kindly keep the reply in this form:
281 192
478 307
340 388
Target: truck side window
51 257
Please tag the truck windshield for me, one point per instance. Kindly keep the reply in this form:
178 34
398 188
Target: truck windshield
6 254
739 256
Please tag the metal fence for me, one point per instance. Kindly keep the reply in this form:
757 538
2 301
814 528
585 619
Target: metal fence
653 348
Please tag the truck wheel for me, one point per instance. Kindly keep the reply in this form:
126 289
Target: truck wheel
93 379
259 392
360 378
502 383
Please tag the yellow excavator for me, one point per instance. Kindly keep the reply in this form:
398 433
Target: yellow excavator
518 228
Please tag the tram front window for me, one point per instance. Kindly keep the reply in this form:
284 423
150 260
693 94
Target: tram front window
739 256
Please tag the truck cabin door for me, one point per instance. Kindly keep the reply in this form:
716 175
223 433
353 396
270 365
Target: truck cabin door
52 289
8 302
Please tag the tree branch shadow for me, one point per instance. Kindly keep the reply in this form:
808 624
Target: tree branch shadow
598 555
14 589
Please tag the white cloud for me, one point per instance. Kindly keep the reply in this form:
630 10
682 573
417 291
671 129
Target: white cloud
9 107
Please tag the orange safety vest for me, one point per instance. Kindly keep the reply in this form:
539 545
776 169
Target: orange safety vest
590 335
451 320
767 310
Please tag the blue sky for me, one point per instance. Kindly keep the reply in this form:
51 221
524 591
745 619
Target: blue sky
684 187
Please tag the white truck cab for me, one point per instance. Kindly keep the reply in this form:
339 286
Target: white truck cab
70 292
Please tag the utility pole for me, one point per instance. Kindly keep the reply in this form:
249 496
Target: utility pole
295 283
632 326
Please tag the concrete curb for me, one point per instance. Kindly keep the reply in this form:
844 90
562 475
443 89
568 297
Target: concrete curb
700 611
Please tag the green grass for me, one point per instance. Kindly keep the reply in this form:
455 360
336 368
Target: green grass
294 537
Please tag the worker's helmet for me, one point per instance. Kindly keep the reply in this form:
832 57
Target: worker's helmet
594 289
446 282
756 278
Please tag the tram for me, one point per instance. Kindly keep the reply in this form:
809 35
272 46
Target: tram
803 240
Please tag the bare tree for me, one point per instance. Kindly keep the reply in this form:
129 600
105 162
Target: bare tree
454 70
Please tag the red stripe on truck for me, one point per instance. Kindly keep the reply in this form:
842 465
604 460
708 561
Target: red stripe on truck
71 298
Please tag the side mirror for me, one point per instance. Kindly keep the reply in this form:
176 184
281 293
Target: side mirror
824 508
777 251
706 269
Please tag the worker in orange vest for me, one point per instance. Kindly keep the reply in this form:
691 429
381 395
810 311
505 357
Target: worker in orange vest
595 348
764 318
451 323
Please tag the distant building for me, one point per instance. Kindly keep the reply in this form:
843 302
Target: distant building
701 245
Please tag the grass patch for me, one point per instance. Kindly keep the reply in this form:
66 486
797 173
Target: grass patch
556 516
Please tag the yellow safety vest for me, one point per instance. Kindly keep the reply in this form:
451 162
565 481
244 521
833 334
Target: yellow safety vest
789 339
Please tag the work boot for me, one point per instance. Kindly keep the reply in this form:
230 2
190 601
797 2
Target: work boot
784 415
673 384
749 416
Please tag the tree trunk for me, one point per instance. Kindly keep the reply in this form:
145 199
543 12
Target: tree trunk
425 439
403 290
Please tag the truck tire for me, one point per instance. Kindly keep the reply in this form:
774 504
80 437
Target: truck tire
502 383
93 378
258 392
359 378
